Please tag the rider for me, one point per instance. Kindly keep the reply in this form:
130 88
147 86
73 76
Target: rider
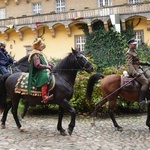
5 59
39 70
135 70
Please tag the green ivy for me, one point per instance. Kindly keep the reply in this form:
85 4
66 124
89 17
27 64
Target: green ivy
106 47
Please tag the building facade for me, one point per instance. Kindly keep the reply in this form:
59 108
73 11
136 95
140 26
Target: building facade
56 20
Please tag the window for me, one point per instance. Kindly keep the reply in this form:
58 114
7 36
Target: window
102 3
134 1
2 13
37 8
28 49
60 5
80 42
2 16
139 36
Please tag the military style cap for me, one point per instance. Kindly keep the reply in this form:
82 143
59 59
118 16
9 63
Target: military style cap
132 41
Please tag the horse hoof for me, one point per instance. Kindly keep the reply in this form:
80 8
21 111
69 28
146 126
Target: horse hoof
93 124
64 133
3 126
119 129
22 130
69 131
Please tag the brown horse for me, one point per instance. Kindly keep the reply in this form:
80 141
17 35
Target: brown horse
111 88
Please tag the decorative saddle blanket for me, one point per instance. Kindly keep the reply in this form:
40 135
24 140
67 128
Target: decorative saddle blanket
22 84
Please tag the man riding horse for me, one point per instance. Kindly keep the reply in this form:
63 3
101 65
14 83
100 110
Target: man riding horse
135 69
39 70
5 59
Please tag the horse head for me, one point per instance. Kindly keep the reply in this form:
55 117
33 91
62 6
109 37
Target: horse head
82 62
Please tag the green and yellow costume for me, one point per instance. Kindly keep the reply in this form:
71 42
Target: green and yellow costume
38 77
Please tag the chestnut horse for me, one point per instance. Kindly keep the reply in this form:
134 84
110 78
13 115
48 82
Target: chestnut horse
111 88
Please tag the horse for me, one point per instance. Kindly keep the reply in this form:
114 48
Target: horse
21 65
111 88
65 74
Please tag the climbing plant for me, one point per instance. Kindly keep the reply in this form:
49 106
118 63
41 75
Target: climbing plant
106 47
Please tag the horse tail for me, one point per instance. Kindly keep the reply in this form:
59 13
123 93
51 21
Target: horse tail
3 94
91 82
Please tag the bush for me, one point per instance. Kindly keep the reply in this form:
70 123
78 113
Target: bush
79 100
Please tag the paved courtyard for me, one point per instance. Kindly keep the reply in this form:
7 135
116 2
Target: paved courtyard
42 134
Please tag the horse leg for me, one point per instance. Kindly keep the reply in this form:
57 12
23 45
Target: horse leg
59 125
148 116
64 104
112 104
97 107
26 106
15 102
5 113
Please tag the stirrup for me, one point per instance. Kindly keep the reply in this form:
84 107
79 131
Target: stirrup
144 102
48 99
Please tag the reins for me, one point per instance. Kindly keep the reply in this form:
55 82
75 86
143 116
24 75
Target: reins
120 87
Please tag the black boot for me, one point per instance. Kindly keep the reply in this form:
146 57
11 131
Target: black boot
142 98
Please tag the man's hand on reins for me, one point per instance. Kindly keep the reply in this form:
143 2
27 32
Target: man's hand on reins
137 75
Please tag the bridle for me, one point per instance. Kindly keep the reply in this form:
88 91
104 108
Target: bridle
83 62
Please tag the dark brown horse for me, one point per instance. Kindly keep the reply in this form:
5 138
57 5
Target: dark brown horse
21 65
65 73
111 89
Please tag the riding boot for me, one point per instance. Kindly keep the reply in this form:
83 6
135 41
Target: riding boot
142 97
45 95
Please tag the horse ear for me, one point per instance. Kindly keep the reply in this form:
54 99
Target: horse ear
73 50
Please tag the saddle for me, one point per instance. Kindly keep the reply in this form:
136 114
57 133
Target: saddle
22 84
129 84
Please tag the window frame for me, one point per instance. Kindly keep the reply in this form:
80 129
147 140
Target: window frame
80 45
134 1
2 13
139 40
61 7
102 3
37 10
28 48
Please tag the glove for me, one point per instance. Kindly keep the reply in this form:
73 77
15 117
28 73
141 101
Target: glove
137 75
48 67
148 63
15 62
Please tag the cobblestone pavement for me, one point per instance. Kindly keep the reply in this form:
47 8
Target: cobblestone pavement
42 134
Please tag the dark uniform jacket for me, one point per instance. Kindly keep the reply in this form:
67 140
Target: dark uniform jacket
5 58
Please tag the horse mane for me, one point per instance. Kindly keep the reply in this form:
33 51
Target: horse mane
21 65
24 59
66 63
